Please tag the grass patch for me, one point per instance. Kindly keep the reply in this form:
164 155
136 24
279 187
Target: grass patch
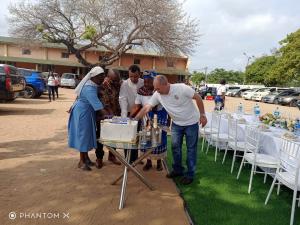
216 197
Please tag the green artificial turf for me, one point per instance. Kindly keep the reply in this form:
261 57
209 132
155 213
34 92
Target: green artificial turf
216 197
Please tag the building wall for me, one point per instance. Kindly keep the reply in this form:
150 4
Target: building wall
16 51
146 62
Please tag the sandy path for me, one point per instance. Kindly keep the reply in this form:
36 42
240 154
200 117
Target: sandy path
38 174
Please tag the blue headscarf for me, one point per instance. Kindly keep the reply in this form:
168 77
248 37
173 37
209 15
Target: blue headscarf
149 74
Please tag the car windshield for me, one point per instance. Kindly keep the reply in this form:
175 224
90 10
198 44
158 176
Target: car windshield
26 73
68 76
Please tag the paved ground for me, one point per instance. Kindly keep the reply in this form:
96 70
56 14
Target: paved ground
38 174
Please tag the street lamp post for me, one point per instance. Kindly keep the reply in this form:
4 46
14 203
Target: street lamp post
248 60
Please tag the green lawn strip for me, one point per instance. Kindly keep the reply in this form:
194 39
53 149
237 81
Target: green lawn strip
216 197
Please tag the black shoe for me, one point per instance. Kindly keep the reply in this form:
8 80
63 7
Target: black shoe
159 166
186 181
174 174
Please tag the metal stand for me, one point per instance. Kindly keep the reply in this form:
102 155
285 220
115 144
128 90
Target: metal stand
126 163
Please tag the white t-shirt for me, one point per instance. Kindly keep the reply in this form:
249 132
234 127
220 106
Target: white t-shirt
51 81
179 104
144 100
221 89
127 96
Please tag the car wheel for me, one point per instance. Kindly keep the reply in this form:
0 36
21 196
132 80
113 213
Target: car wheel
293 103
29 92
276 102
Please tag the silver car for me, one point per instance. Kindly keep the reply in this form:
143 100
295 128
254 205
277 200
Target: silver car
69 80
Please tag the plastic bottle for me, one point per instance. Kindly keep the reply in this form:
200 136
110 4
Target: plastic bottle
297 127
276 112
256 110
241 108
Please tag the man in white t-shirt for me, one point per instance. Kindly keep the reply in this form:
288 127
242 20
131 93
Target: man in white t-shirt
127 96
177 99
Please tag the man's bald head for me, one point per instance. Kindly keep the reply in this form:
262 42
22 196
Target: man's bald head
161 84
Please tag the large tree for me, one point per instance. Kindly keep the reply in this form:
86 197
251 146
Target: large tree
258 72
230 76
287 68
114 26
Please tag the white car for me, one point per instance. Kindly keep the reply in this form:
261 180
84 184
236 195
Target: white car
248 94
69 80
263 92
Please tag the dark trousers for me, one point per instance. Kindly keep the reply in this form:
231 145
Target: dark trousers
56 90
134 155
51 90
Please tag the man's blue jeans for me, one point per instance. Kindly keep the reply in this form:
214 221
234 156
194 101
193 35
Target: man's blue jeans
191 135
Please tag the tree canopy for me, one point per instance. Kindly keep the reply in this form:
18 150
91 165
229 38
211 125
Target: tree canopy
282 67
114 26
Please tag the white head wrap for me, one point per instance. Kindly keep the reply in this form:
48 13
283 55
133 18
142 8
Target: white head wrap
94 72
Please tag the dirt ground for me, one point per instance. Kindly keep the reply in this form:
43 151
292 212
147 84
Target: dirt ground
38 172
38 175
231 104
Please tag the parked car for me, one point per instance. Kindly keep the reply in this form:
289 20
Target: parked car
248 94
290 100
35 84
273 97
11 82
264 92
239 92
69 80
298 104
231 90
211 91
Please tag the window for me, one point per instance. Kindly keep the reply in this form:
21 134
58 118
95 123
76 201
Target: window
137 61
26 51
65 55
170 63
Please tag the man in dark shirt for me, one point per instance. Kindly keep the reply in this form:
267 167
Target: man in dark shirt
109 96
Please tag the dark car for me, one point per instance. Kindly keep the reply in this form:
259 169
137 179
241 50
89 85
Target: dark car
211 91
11 82
274 96
290 100
238 93
35 84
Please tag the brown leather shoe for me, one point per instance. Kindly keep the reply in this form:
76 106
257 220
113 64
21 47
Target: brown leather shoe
99 163
114 160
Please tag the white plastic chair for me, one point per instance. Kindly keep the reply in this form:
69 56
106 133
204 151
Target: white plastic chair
254 157
206 132
233 143
216 137
288 172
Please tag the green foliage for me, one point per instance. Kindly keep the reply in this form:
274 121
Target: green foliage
280 68
40 28
258 71
89 33
287 68
229 75
197 77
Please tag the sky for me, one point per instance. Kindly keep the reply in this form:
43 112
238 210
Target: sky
229 28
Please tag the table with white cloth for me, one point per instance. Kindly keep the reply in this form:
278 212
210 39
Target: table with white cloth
270 141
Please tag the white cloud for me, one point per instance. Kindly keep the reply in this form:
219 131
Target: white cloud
229 28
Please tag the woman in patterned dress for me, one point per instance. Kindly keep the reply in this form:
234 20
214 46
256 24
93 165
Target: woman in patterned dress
143 96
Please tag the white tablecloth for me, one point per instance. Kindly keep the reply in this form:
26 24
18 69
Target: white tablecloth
270 141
